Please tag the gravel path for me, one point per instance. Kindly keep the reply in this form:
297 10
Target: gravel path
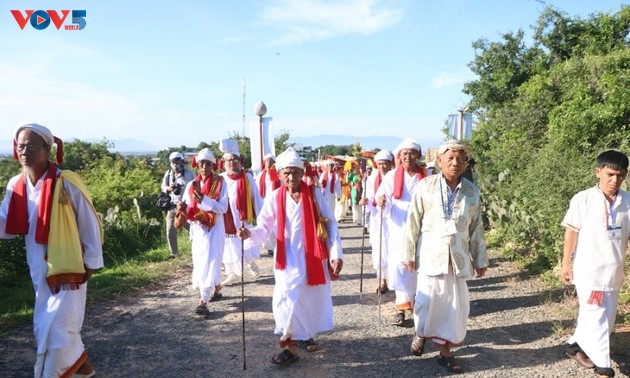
515 330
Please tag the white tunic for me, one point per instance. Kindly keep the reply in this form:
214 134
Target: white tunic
232 252
378 232
330 197
300 311
207 244
58 318
395 215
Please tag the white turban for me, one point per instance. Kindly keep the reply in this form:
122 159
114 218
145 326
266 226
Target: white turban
289 158
407 144
383 155
453 145
205 154
39 129
229 146
269 156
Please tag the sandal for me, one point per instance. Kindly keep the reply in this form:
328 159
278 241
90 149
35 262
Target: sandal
417 345
284 357
399 318
449 363
215 297
202 310
309 345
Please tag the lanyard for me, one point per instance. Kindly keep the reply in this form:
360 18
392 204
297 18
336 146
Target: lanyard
610 213
447 208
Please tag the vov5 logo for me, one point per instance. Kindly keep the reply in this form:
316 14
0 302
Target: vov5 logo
41 19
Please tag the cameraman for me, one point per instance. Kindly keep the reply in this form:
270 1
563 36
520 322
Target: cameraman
173 183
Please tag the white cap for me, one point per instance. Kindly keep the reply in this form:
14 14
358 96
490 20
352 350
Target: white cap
289 158
267 156
431 164
229 146
383 155
205 154
175 155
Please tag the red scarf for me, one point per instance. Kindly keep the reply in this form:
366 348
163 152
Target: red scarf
315 249
399 180
242 195
275 181
212 188
332 181
377 184
17 216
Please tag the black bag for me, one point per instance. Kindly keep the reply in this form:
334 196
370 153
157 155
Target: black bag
163 201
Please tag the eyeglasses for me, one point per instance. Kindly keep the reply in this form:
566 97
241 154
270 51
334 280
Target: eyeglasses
232 160
28 146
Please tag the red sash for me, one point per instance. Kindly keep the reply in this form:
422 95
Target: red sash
275 181
399 180
212 188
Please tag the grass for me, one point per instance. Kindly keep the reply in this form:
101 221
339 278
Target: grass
120 278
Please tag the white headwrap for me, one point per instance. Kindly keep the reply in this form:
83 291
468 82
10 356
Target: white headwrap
289 158
229 146
383 155
407 144
39 129
267 156
205 154
453 145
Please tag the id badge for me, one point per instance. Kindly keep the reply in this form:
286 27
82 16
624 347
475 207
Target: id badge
449 228
614 233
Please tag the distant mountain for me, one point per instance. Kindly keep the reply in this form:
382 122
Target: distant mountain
367 142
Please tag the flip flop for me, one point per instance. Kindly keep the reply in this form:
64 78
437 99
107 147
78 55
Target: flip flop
215 297
284 358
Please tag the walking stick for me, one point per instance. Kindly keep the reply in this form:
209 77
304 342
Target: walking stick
362 249
243 298
380 262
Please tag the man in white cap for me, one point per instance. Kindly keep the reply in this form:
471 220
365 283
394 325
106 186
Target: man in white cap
45 204
393 197
244 205
205 201
268 181
378 228
174 181
330 185
302 304
443 239
431 169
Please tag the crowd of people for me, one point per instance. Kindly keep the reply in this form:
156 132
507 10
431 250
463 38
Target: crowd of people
423 219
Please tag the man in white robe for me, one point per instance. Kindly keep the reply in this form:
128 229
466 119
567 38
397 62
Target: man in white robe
268 181
393 197
443 239
377 225
205 205
244 206
302 304
59 309
597 230
330 185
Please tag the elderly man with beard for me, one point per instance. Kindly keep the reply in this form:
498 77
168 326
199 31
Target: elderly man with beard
305 262
393 197
443 239
378 231
63 237
205 201
244 205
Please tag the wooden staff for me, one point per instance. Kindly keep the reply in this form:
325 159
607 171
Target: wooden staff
380 262
243 297
362 249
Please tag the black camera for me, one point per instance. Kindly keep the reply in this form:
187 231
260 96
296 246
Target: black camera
177 189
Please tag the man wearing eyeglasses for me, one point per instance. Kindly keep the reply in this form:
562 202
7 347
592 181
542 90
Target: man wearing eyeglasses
63 235
244 205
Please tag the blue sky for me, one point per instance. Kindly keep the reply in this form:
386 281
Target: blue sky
171 73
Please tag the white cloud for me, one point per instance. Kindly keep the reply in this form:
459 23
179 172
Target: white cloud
314 20
449 79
